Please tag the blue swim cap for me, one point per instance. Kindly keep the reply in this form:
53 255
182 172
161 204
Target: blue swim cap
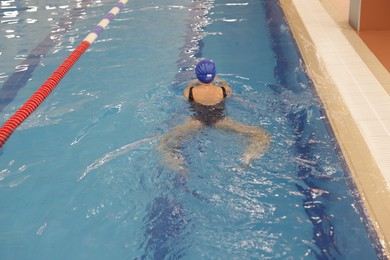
205 71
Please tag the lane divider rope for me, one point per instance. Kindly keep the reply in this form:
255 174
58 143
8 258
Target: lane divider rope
48 86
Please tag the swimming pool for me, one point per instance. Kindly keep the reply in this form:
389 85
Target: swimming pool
81 178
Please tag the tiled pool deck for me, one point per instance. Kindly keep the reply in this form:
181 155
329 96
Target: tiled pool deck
354 88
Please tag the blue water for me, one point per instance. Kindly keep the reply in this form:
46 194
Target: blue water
82 179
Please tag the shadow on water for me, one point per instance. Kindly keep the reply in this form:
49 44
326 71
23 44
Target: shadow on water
323 228
166 224
166 221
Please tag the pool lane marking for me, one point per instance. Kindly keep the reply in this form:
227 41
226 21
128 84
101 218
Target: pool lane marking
105 21
48 86
25 69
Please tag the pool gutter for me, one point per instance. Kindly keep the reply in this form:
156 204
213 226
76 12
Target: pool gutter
347 77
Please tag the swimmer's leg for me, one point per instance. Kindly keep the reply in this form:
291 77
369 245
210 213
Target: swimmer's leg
170 144
259 139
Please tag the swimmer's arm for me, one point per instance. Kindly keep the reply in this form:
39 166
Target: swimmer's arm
186 92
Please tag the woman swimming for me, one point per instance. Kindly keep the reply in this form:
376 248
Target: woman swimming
206 96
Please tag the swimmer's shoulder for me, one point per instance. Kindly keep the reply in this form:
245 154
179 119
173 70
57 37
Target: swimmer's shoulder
186 92
225 85
218 82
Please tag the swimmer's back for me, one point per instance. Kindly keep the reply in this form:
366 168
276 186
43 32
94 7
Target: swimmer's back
207 94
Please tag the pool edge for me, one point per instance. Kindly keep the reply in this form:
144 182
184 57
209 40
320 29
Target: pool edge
364 169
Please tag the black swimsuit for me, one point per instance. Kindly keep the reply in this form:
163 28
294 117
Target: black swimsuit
208 115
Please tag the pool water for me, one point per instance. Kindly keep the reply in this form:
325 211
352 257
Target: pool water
82 178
